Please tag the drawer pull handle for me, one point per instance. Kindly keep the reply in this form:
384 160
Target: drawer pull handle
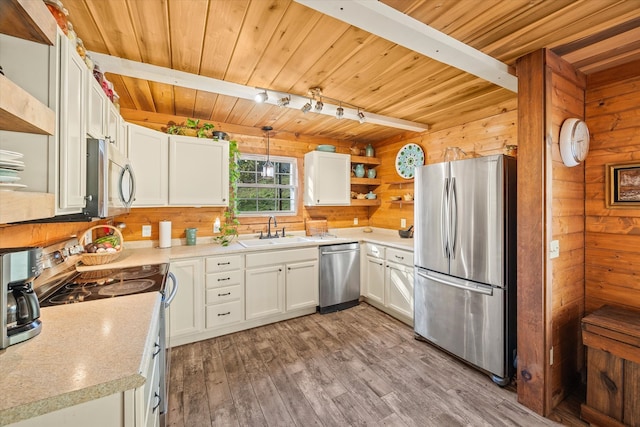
157 350
158 401
224 263
399 257
223 279
224 314
224 295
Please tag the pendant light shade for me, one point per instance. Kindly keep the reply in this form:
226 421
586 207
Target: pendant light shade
268 170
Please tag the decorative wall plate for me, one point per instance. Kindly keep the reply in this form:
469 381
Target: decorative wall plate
409 156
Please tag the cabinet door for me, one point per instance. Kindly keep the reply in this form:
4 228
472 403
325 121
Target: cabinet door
374 276
123 136
72 134
186 310
112 124
327 179
96 109
148 151
264 293
198 171
399 280
302 285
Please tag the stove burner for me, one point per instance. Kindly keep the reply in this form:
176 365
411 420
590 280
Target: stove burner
137 273
126 288
70 297
78 286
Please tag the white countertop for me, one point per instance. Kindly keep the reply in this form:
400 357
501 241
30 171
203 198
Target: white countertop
90 350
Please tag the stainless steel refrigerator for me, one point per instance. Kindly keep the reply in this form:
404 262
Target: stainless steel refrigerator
465 256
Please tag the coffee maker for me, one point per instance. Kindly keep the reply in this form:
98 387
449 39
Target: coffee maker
19 307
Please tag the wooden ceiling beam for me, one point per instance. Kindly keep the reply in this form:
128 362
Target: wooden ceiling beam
384 21
125 67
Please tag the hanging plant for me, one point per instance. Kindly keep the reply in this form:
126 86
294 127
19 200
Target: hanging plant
229 226
191 127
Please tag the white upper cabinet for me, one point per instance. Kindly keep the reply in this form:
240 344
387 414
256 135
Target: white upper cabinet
148 151
327 179
96 109
198 171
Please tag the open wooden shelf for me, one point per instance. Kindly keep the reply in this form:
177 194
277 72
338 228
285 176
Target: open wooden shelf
365 202
21 112
401 202
25 206
28 20
406 181
365 181
366 160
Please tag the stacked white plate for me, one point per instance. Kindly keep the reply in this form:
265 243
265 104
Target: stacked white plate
10 167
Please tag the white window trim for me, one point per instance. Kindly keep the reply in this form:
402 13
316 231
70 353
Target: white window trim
294 183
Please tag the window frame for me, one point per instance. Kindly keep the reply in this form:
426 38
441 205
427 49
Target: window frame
294 187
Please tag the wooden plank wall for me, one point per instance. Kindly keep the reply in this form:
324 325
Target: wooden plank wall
567 92
477 138
612 235
250 140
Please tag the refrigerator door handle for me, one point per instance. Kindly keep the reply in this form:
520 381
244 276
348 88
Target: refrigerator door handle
453 219
467 286
444 230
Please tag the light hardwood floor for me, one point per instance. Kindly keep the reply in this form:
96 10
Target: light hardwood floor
354 367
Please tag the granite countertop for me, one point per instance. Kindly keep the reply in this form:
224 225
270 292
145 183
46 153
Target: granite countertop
84 352
73 359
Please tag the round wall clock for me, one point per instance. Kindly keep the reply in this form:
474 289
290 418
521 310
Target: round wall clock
574 142
409 156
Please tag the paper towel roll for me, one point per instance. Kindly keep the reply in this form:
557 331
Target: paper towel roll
165 234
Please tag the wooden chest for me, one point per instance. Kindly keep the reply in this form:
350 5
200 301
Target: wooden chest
612 337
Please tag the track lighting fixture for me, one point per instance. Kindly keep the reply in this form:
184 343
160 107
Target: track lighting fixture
284 101
339 112
268 170
361 117
306 108
261 97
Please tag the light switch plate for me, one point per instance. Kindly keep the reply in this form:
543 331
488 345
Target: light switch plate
403 223
554 249
146 231
355 221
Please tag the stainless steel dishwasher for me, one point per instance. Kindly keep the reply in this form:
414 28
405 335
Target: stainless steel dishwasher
339 276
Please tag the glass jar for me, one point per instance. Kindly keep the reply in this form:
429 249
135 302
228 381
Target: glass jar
97 74
80 48
59 14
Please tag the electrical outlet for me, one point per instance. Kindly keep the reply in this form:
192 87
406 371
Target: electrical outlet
403 223
554 249
146 231
355 221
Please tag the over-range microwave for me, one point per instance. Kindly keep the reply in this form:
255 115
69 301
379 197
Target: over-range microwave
111 184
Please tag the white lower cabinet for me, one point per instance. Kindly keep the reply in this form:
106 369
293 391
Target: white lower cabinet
388 276
302 285
265 291
224 298
186 311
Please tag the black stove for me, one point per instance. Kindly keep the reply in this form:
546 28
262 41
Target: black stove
71 287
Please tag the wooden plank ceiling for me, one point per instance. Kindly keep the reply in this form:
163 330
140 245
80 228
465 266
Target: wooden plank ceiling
284 46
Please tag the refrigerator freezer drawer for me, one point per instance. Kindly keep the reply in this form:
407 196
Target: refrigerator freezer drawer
467 322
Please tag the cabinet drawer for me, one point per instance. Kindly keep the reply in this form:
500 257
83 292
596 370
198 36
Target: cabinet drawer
225 278
281 257
224 314
221 295
374 250
223 263
399 256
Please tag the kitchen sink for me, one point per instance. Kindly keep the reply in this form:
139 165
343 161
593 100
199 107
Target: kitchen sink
252 243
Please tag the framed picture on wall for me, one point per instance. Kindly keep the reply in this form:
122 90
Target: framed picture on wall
623 185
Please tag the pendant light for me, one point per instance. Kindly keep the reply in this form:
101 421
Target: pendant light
268 170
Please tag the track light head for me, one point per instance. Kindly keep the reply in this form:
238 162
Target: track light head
284 101
261 97
319 105
339 113
306 108
361 117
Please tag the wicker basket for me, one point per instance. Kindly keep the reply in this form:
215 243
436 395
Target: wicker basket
104 257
